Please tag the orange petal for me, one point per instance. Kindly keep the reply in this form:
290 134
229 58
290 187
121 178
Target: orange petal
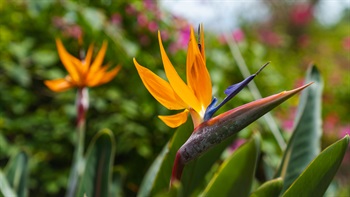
67 62
178 85
58 85
87 61
159 88
99 58
94 79
110 75
198 78
176 120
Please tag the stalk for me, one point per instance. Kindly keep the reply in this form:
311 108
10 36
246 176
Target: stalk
82 104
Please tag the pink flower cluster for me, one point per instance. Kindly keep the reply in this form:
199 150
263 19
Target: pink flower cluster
68 29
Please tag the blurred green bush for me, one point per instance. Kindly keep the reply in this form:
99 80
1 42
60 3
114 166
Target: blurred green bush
40 122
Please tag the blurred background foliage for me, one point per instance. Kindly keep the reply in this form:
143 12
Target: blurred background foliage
42 123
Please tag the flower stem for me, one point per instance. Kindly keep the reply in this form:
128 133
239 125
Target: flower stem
82 101
177 169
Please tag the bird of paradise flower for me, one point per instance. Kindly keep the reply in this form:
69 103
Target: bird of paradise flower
82 73
195 97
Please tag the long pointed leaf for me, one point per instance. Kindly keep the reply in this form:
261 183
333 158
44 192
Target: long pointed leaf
5 188
16 173
99 160
235 175
304 144
158 176
316 178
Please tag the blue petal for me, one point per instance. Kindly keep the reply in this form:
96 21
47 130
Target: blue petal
211 109
231 91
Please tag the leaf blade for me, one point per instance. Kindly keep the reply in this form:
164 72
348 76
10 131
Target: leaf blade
304 144
235 175
319 174
16 173
99 158
158 176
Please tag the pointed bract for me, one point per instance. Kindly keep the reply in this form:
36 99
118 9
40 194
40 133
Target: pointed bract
178 85
159 88
175 120
219 128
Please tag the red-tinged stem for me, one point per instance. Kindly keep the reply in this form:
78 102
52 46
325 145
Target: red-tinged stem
82 105
177 169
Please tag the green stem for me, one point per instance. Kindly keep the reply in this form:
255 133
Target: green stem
82 101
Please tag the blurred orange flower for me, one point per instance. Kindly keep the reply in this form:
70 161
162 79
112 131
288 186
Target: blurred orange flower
82 73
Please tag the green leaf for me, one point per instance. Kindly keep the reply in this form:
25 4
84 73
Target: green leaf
194 172
5 188
16 173
235 175
98 167
157 178
304 144
270 188
316 178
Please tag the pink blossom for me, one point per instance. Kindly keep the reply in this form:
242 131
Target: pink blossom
149 5
238 35
271 38
165 35
236 144
130 9
153 26
184 37
288 125
288 122
344 130
73 31
142 20
58 22
116 19
301 14
346 43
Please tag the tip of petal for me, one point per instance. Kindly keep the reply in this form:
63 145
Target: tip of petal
58 85
175 120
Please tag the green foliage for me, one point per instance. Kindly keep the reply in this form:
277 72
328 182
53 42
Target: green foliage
34 119
96 178
16 173
5 188
304 145
271 188
316 178
235 175
13 182
193 177
158 176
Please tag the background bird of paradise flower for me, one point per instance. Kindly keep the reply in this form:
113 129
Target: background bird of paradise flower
42 123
